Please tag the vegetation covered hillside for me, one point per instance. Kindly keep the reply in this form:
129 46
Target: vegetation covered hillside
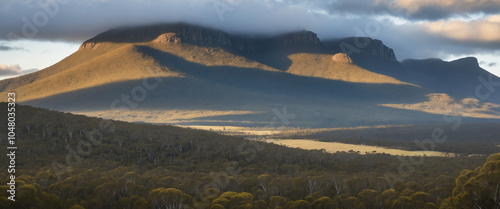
69 161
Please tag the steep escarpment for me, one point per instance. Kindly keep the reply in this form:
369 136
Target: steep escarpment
191 34
362 48
460 78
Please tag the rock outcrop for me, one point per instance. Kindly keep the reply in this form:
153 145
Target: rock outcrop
362 47
342 58
89 45
168 38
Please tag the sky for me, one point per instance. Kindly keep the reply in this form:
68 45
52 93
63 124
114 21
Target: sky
35 34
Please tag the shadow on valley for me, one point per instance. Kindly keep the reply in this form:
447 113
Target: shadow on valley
262 81
316 102
271 51
277 56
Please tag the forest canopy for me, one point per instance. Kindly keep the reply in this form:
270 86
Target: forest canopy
73 161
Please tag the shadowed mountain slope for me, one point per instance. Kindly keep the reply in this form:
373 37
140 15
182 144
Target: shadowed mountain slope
460 78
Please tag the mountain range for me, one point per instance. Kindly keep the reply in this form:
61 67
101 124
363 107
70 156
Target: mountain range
191 75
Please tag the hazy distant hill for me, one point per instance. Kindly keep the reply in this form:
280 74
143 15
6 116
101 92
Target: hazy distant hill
458 78
236 80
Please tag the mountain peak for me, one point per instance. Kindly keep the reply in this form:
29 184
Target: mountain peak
462 63
193 34
300 37
467 61
172 33
363 47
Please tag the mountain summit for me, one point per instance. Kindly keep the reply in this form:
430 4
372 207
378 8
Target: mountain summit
191 34
362 48
171 33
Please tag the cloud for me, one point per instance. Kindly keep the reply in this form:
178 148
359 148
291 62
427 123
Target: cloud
493 64
484 30
80 20
442 9
437 32
455 37
5 48
8 48
14 70
409 9
11 70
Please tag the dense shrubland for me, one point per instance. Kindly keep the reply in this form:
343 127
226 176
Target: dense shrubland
63 162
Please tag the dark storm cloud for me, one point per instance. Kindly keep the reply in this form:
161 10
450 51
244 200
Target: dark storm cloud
5 48
408 9
8 48
77 21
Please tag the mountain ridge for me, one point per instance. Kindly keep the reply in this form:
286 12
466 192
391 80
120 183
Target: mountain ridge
220 75
193 34
459 78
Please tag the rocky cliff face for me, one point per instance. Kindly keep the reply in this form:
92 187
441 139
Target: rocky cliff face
435 66
301 37
360 48
184 33
377 49
168 33
468 62
201 36
357 47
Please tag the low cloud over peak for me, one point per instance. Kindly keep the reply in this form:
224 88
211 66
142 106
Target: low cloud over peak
8 48
414 28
